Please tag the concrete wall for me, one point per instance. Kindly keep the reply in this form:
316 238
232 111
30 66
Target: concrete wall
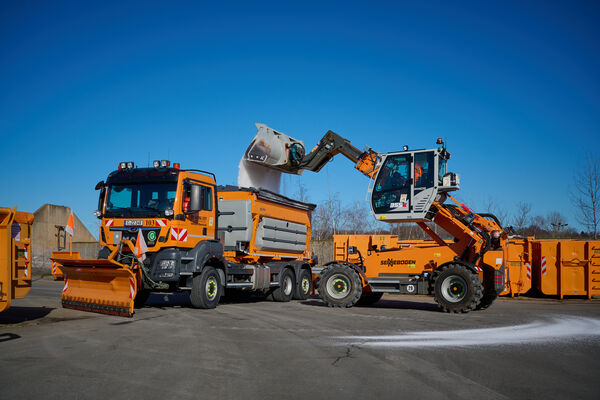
44 236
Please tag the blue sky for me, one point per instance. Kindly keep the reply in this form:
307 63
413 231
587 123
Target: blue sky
513 86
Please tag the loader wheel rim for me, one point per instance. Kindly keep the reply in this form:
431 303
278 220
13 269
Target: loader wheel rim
338 286
305 285
287 285
211 288
454 288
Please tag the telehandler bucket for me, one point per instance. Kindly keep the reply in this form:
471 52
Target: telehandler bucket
55 269
103 285
274 149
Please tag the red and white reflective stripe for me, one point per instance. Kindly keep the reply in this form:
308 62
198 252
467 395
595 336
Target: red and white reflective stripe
179 234
53 267
478 268
26 262
66 285
109 222
528 271
543 265
161 222
131 288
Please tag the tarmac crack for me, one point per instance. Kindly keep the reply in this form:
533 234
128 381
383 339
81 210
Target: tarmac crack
348 354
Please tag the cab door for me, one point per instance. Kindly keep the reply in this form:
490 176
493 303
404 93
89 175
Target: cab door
391 192
198 199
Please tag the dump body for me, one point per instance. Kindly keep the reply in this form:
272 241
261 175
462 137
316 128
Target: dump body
15 255
197 237
258 225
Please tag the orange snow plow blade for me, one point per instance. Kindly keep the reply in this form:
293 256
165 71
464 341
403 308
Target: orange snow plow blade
55 269
102 286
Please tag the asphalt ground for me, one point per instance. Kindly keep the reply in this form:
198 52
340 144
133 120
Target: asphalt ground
256 349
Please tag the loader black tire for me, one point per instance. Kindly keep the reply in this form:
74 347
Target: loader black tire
287 285
369 298
486 301
457 289
303 285
141 298
206 289
339 286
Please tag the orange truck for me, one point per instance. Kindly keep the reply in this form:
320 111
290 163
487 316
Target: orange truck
167 229
15 255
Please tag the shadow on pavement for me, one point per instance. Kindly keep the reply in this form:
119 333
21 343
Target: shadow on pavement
5 337
385 303
16 315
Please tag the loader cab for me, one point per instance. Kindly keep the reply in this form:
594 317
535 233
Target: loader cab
408 182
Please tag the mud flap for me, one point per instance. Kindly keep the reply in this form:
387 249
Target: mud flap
101 286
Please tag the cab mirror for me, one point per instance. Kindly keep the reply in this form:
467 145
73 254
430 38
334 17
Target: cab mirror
99 185
195 199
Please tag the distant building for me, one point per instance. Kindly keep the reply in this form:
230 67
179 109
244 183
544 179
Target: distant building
48 234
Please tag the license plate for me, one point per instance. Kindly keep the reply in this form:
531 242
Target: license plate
133 222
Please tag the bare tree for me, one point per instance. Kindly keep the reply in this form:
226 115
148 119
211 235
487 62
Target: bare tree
556 223
521 218
586 194
302 193
493 208
538 225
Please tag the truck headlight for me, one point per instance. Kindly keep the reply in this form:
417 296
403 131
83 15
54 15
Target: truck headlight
167 264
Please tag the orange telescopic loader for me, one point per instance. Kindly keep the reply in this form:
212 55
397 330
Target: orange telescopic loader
468 272
167 229
463 274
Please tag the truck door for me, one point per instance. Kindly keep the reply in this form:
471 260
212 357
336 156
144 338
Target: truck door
199 201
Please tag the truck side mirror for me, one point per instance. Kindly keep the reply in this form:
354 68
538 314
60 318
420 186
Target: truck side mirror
99 185
195 199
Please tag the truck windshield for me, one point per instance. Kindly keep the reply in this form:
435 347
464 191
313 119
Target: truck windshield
140 200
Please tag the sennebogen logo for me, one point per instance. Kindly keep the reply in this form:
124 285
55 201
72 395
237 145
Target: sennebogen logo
390 262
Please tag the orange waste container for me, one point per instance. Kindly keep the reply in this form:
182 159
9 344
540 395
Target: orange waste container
567 267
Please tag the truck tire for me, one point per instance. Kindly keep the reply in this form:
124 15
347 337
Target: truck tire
339 286
206 289
486 301
140 298
287 285
369 298
304 285
457 288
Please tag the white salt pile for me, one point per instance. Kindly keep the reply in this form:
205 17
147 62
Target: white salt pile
257 176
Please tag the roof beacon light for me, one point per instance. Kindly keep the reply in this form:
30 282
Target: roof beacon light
122 165
164 163
439 141
176 165
130 165
405 148
156 163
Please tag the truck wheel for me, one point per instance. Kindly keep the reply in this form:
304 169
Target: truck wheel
206 289
457 289
340 286
287 284
140 298
369 298
304 285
